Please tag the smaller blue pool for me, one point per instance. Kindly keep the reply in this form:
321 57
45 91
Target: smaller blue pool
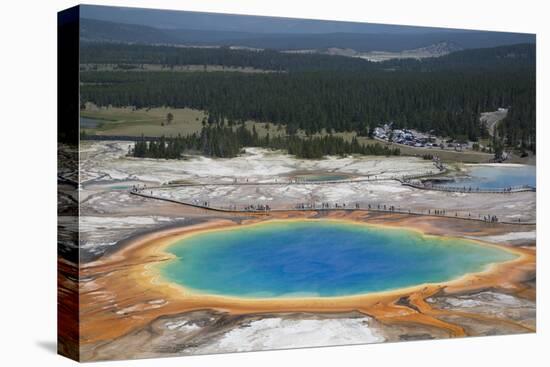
120 187
496 177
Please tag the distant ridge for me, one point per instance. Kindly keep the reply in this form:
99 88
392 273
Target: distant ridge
177 19
104 31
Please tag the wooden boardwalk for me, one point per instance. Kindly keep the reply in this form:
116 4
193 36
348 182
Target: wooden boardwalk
351 208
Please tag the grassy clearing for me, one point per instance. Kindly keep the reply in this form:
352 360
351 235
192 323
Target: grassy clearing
129 122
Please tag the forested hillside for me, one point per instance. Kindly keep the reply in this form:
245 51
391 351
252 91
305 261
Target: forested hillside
503 58
496 58
519 126
448 103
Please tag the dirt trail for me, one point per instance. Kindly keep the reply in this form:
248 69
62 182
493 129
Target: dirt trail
491 119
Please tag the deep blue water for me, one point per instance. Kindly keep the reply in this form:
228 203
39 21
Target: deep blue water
319 258
497 177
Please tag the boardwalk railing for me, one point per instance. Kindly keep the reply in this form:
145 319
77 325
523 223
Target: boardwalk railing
320 207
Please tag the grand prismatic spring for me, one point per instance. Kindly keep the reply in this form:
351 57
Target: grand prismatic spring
320 258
